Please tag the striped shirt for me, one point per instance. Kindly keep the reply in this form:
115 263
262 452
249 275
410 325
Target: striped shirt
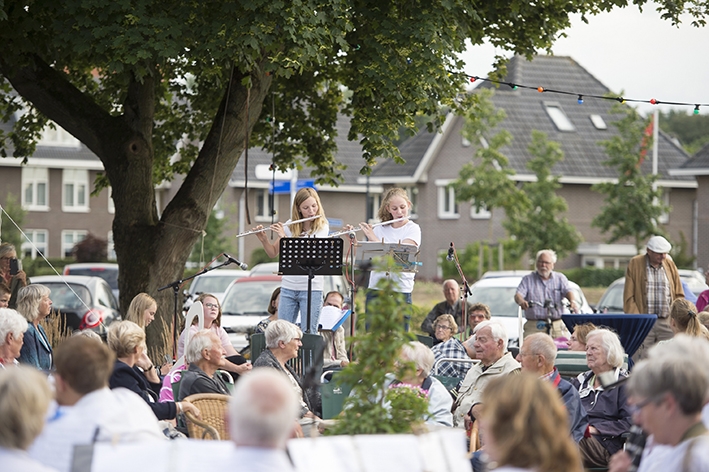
659 298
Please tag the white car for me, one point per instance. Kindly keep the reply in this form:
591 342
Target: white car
497 290
214 282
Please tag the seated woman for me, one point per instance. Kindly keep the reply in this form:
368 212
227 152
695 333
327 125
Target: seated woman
213 321
12 331
205 356
34 304
578 337
445 328
521 426
439 400
608 413
24 402
684 318
283 340
127 340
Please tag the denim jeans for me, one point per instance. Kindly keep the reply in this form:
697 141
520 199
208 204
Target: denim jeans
294 301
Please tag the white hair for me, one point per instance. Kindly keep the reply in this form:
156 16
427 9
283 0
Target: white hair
281 330
263 409
498 331
548 252
200 341
610 342
11 322
420 355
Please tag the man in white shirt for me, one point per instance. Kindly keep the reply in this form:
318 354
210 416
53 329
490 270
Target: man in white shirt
262 414
88 411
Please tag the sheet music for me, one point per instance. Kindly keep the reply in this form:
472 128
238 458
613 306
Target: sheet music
332 317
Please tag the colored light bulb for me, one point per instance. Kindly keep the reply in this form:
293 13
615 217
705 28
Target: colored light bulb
540 89
580 100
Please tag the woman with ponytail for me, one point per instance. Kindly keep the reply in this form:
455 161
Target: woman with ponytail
684 318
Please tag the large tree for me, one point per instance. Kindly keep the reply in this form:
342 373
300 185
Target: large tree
132 79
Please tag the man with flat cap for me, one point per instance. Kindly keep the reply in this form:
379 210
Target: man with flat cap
652 283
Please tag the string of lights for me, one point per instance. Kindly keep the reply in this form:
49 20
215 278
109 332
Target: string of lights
581 96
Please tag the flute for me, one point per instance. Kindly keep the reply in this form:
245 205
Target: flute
288 223
358 228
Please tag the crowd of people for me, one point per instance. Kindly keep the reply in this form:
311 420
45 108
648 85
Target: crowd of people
518 411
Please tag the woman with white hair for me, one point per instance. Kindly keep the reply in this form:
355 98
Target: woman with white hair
283 340
24 400
34 304
12 332
608 413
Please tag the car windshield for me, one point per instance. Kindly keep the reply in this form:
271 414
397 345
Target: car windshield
499 299
249 298
612 300
64 299
109 275
212 284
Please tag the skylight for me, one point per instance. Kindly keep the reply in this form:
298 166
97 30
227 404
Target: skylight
598 122
557 115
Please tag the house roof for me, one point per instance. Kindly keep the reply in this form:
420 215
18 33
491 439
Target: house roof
526 110
695 165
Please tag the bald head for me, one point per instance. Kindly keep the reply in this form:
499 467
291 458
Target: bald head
451 290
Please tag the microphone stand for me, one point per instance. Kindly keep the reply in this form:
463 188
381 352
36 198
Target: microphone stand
176 291
466 292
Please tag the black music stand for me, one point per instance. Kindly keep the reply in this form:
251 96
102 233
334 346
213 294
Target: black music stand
311 257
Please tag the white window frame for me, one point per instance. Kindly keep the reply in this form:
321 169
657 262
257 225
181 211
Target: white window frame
375 201
262 209
75 182
34 248
111 247
665 217
558 117
482 214
56 136
77 235
111 203
413 193
35 177
447 206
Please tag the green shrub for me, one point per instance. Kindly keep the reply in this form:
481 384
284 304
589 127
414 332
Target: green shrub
592 277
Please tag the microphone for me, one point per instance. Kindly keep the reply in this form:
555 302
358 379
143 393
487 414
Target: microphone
234 261
451 253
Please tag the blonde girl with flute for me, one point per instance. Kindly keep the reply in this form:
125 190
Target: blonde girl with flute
294 288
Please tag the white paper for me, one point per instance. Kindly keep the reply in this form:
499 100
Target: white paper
392 452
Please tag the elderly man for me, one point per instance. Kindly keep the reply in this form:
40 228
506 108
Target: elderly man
491 349
540 294
334 352
452 305
652 283
537 356
262 414
205 355
477 313
88 411
667 392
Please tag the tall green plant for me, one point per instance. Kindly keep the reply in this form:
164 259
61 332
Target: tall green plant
9 233
369 409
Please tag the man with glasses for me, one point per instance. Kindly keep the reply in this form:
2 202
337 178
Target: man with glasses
540 294
335 352
667 392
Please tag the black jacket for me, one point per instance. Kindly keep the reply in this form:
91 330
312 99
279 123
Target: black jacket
124 376
195 380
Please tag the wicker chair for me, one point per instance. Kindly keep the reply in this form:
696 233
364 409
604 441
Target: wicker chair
213 407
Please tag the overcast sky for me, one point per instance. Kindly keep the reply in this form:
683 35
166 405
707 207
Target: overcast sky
638 53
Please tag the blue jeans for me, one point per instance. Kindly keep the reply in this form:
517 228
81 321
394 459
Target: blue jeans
372 294
294 301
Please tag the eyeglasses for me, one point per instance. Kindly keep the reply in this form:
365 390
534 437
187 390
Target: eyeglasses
443 327
211 305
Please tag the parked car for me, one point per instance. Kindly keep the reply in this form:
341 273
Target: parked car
332 282
214 282
245 304
81 300
497 290
612 299
106 270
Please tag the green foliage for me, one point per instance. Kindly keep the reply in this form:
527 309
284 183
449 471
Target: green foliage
631 206
212 242
11 233
366 410
541 225
691 130
681 253
592 277
469 259
259 256
38 266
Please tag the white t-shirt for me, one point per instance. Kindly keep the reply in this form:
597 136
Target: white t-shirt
664 458
300 282
388 234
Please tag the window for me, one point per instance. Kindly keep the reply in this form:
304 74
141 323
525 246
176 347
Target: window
557 115
56 136
35 189
36 245
76 188
375 201
665 217
413 193
482 214
69 240
111 204
447 206
265 203
598 122
111 249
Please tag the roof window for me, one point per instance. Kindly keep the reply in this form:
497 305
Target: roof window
557 115
598 122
